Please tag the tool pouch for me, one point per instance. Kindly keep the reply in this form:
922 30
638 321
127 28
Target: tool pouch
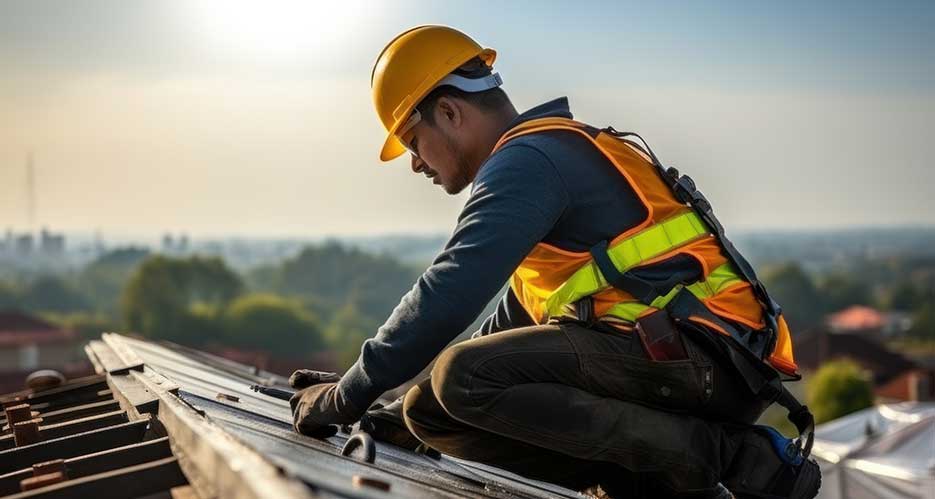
660 337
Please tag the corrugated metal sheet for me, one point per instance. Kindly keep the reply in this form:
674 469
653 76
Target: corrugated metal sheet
160 416
265 423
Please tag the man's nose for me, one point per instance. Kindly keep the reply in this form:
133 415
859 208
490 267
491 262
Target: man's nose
417 164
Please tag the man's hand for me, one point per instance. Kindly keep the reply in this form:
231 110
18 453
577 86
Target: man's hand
304 378
317 409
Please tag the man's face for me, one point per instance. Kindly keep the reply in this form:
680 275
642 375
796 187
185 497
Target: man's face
436 155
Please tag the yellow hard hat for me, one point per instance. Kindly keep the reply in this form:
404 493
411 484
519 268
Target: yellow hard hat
414 63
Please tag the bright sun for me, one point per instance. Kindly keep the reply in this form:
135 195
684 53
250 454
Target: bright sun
279 28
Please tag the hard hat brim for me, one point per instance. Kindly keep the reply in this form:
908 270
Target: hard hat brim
392 148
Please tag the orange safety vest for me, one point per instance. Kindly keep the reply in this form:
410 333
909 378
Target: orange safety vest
551 278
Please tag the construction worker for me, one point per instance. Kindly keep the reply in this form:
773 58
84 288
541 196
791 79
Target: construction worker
633 335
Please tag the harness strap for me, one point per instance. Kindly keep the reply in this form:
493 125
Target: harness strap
641 289
762 380
623 255
685 190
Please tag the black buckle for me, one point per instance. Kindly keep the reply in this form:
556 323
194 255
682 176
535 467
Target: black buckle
642 290
584 310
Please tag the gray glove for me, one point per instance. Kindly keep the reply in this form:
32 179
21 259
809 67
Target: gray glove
304 378
315 407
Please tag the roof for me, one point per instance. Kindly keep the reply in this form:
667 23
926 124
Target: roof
18 328
77 440
229 441
14 320
819 346
857 317
882 451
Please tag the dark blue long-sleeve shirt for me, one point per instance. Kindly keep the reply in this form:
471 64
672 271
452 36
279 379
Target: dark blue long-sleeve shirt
554 187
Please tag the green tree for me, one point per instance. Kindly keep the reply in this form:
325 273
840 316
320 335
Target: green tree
347 331
839 291
272 323
88 325
837 389
904 296
53 294
802 304
179 299
923 323
103 279
9 297
337 275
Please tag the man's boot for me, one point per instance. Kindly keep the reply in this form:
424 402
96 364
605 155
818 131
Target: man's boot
767 465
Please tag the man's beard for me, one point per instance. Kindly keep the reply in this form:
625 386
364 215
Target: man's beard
461 178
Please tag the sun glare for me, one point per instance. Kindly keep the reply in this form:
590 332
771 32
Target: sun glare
279 28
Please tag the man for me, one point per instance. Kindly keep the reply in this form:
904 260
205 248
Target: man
632 334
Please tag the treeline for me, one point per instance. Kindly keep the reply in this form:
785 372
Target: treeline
328 297
332 297
889 284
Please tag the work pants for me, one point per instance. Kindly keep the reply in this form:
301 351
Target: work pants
553 402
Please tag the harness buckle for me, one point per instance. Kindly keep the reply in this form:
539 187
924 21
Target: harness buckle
642 290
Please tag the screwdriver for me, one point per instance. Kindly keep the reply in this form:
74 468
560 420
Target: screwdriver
270 391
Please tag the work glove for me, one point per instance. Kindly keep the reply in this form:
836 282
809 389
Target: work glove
314 405
318 408
304 378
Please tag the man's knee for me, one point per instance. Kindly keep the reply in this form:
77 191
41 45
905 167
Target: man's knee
428 420
454 378
416 404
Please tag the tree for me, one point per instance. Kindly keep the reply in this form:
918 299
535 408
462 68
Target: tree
837 389
923 323
905 296
53 294
840 291
103 279
88 325
9 298
347 331
272 323
338 275
801 302
179 298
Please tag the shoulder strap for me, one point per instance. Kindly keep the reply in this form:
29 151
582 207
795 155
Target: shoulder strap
543 124
685 190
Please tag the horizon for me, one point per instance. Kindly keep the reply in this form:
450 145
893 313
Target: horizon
76 239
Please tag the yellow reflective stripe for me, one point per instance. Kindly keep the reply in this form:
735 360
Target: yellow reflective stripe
645 245
718 280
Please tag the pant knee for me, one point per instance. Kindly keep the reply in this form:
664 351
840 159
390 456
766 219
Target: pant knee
453 379
412 401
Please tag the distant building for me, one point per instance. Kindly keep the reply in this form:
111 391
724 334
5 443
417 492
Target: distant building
28 343
175 245
867 320
895 377
168 243
23 245
51 245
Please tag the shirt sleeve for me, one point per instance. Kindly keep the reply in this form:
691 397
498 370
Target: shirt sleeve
509 314
516 200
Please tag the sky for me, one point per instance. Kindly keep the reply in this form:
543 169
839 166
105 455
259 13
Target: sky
230 117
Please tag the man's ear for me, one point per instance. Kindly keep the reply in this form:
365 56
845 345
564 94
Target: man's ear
449 111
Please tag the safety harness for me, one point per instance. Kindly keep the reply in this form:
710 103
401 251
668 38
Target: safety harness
683 302
602 285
